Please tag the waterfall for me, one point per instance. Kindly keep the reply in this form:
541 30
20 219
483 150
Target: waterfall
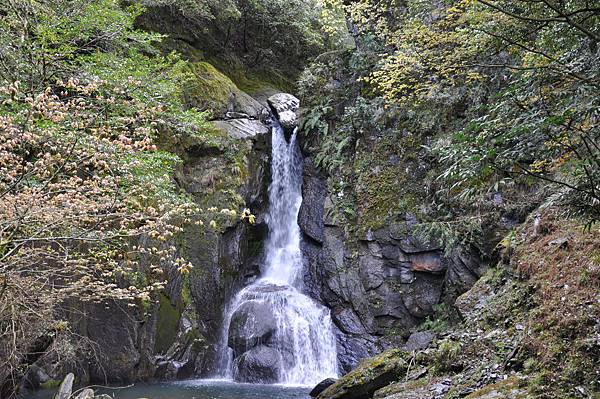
279 334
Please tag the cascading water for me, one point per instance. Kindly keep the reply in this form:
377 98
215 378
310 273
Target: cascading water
296 338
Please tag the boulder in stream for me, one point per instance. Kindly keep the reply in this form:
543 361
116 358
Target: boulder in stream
260 364
251 324
321 386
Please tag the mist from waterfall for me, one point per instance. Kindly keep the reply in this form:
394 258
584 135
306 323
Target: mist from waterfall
303 337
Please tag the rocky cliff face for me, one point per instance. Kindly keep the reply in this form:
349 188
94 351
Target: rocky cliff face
381 286
227 259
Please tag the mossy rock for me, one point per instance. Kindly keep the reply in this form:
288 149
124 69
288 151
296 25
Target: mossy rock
167 324
370 375
389 181
413 389
213 91
506 389
254 82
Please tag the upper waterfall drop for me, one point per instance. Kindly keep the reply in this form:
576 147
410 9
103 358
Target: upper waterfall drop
283 255
272 332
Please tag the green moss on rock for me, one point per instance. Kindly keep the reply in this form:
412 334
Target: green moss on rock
370 375
50 384
210 90
167 323
506 389
389 181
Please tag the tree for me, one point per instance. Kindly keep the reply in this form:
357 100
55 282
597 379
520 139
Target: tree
85 195
518 77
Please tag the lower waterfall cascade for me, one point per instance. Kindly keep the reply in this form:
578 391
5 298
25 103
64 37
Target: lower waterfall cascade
283 336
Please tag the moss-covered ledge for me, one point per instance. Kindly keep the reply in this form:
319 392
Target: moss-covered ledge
370 375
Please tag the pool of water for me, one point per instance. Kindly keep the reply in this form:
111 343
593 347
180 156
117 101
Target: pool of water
197 389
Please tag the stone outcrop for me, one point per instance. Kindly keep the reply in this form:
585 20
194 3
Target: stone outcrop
260 364
368 377
285 107
379 285
418 341
251 324
242 128
66 387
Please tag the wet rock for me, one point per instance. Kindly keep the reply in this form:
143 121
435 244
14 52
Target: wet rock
418 341
371 270
368 377
114 329
347 320
464 269
286 109
260 364
179 360
242 128
353 349
422 294
321 386
252 324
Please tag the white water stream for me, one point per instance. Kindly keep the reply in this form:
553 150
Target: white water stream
303 336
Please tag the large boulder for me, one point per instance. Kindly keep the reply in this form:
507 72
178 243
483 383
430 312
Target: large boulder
251 324
368 377
260 364
214 91
285 106
321 386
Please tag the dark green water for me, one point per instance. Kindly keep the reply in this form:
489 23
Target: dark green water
198 389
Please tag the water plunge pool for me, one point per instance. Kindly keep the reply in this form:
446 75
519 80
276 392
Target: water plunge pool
196 389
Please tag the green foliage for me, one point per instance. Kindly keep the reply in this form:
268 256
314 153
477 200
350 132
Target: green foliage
263 32
42 40
498 96
440 321
150 174
333 20
446 356
466 232
86 99
526 76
